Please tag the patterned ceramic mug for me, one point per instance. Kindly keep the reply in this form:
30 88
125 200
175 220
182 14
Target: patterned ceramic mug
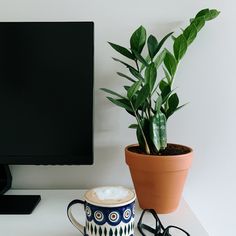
109 212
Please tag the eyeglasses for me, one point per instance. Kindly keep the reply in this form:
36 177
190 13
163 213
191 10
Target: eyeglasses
158 229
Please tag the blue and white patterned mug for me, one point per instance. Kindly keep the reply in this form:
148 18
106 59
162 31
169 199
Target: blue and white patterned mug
106 216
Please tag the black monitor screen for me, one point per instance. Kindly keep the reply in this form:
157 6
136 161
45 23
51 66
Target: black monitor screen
46 92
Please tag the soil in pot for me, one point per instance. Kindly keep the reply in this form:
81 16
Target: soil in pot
171 150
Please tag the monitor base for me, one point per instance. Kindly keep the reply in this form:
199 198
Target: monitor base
5 179
18 204
14 204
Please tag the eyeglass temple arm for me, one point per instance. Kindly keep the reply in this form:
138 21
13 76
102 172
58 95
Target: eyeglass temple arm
150 229
153 212
173 226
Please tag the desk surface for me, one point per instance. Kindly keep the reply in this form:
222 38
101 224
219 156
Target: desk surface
49 218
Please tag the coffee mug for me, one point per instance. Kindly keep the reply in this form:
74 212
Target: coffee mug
109 212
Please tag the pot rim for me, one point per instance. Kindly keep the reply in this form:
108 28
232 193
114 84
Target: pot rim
157 156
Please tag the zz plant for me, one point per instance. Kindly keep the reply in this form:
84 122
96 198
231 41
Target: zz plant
150 101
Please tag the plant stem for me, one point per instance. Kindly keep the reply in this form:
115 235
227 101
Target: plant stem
136 62
172 78
147 149
150 107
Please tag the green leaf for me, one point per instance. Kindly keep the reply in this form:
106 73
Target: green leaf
212 14
126 87
140 58
136 74
133 89
167 76
144 124
165 91
142 96
179 107
125 52
112 92
124 103
180 47
163 41
147 59
198 22
138 39
125 76
170 63
124 63
150 76
133 126
202 13
190 33
158 103
173 103
158 131
160 58
152 46
208 14
163 85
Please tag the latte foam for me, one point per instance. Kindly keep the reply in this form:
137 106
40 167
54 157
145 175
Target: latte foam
109 195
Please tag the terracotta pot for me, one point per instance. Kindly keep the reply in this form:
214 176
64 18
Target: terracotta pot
158 180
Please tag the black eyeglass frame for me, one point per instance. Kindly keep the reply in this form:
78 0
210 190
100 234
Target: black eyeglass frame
159 230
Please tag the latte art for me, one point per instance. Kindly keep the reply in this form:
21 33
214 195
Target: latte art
109 195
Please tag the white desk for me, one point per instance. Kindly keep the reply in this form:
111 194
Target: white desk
50 219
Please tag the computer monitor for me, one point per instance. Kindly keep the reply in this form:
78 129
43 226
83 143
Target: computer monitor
46 95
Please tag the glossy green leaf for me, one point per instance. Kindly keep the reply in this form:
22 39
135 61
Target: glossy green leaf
143 94
125 76
177 109
133 89
147 59
144 124
152 46
150 76
138 39
165 91
163 41
180 47
126 87
198 22
124 51
140 58
163 84
158 103
124 63
121 103
158 131
136 74
202 13
190 33
133 126
160 58
180 107
173 103
212 14
167 75
170 63
112 92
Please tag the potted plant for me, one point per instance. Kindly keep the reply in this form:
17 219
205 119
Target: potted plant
158 168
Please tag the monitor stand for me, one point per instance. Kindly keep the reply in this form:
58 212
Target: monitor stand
14 204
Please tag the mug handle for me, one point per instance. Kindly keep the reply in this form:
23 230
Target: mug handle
72 218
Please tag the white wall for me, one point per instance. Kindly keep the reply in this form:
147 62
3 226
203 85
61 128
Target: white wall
206 78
